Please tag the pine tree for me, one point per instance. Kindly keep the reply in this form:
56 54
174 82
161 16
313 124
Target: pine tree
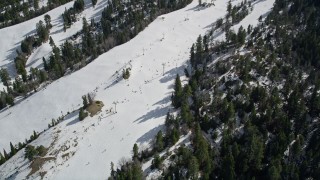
229 8
230 112
6 155
274 170
45 64
137 172
47 19
112 170
157 161
42 32
227 168
90 100
206 43
35 135
192 56
13 149
94 2
36 4
193 168
177 96
5 78
199 50
85 102
51 42
135 151
315 102
241 35
185 113
82 114
159 141
2 159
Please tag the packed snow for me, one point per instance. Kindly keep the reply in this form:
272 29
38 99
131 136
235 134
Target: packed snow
134 109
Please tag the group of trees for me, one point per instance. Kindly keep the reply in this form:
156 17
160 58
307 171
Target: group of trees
120 22
5 97
16 11
130 18
262 110
87 101
69 15
14 149
270 131
129 170
25 83
238 12
31 152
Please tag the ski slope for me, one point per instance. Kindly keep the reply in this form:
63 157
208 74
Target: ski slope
155 56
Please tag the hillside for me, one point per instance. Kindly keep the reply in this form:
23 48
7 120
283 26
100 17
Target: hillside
250 109
216 90
144 99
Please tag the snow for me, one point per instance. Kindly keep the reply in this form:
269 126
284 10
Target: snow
13 35
156 173
142 101
260 8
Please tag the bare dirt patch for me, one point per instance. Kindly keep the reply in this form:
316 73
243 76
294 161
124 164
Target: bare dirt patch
95 107
37 163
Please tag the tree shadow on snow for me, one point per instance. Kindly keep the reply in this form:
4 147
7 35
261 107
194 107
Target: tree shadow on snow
257 2
10 66
172 73
163 101
200 7
99 8
153 114
148 136
74 115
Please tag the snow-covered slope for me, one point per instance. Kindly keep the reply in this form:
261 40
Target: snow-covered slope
12 36
142 101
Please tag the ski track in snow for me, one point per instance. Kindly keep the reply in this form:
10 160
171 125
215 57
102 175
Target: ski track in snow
142 101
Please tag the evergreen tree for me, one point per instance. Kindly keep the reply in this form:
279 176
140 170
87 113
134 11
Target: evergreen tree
315 102
2 159
94 2
192 56
241 35
45 64
5 78
6 155
51 42
177 96
35 135
13 150
82 114
47 19
199 50
42 32
85 102
157 161
36 4
78 6
159 141
274 171
228 172
135 151
193 168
